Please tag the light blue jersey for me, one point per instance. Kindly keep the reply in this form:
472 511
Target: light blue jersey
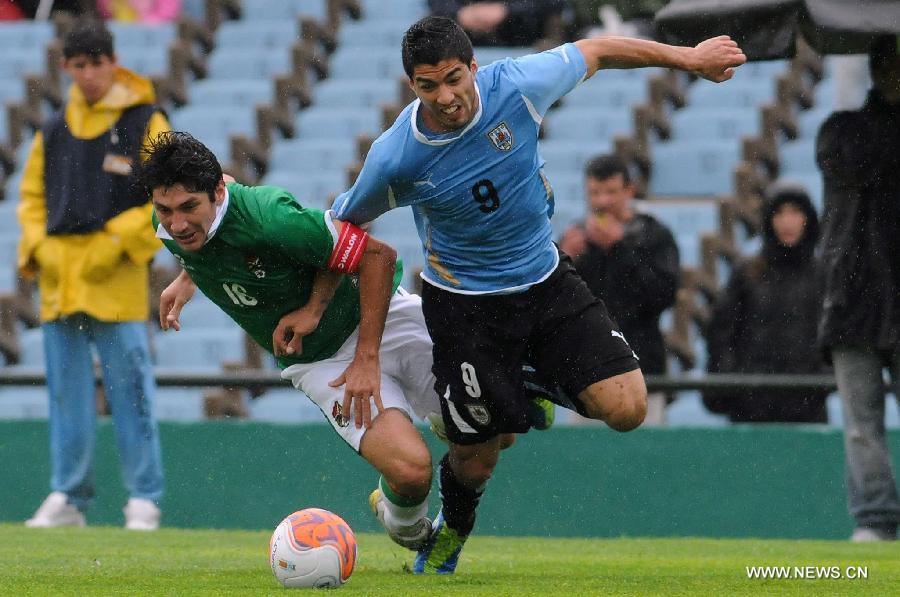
481 202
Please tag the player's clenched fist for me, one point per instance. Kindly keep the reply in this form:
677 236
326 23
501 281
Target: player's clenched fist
716 58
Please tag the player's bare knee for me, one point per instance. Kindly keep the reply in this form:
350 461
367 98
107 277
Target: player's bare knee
621 401
474 465
507 440
411 478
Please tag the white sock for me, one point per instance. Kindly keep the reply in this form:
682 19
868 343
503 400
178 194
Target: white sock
401 516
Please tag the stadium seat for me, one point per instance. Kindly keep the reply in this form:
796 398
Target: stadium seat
282 10
201 313
266 35
684 217
585 124
18 62
179 404
402 11
811 181
24 34
214 121
240 63
141 35
351 93
144 60
563 155
690 167
373 63
735 94
616 93
486 55
324 122
310 189
798 157
285 405
368 34
714 123
201 349
23 402
809 121
241 93
312 155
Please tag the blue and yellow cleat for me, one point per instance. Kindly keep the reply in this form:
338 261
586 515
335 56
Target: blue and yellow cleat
441 552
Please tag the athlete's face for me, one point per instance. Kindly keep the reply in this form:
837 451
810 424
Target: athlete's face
609 197
187 216
447 92
93 75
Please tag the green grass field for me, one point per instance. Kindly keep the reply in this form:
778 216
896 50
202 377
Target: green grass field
104 561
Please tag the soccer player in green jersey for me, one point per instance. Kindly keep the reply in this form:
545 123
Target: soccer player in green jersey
350 342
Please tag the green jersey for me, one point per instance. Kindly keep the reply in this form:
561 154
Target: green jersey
260 261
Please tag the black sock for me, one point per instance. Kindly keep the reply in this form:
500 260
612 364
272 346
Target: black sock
459 502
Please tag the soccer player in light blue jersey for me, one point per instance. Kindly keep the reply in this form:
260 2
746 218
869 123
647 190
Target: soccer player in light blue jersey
498 292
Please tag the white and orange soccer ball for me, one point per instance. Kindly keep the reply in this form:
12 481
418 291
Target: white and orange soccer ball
312 548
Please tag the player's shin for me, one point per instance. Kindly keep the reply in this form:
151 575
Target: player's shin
404 518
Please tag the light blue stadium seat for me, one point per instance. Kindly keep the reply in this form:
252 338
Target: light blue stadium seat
684 217
688 249
826 94
809 121
201 313
406 11
146 61
310 189
141 35
567 184
486 55
798 156
714 123
199 348
23 402
373 63
285 10
614 93
214 121
312 155
811 181
8 274
24 34
250 35
18 62
563 155
31 347
690 167
285 405
566 213
372 34
322 122
353 93
688 411
246 63
397 228
585 124
179 404
244 93
742 93
767 69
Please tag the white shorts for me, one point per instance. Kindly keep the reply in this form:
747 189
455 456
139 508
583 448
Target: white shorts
407 382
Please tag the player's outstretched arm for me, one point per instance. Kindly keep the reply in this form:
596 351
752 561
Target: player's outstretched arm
362 378
173 299
714 59
287 339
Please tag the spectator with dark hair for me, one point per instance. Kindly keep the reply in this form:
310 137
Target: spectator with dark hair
85 236
629 260
765 319
500 22
859 155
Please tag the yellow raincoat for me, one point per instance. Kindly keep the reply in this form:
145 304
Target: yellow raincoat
103 273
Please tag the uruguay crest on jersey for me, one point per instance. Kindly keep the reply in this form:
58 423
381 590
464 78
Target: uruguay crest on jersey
501 137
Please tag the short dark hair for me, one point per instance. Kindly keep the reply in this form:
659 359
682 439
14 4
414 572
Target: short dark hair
88 38
884 49
175 158
604 167
433 39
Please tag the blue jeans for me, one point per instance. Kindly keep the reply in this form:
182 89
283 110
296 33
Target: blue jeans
130 389
872 490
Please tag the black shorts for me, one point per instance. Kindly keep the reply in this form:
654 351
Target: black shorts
481 342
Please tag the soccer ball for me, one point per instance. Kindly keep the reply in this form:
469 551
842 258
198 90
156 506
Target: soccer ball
312 548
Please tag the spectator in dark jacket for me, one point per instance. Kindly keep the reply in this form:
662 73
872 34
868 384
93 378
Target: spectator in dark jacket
500 22
628 259
765 320
859 155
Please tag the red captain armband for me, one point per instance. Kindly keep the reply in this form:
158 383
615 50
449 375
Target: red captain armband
349 249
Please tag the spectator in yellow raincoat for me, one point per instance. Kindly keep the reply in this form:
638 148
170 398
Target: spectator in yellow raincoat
86 236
